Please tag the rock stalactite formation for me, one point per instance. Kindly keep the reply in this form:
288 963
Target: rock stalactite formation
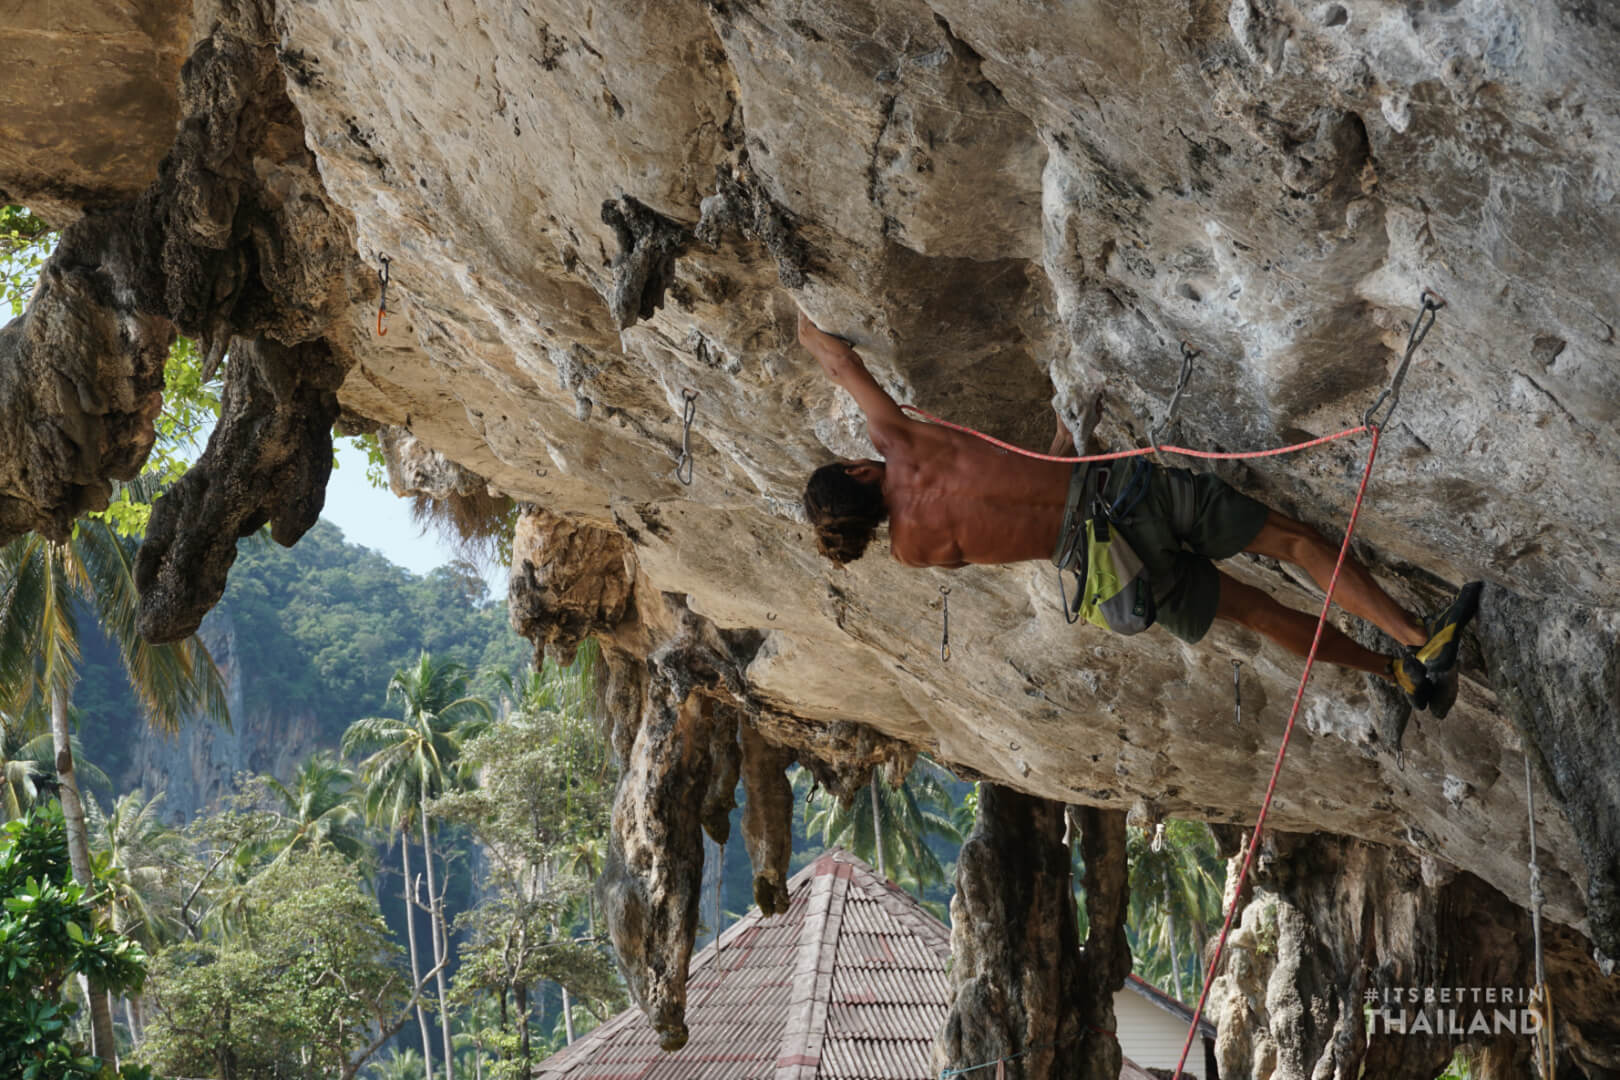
1336 931
1027 994
767 823
267 462
570 579
81 375
1007 207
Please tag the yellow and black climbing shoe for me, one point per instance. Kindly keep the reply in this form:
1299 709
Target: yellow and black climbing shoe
1439 653
1442 691
1408 673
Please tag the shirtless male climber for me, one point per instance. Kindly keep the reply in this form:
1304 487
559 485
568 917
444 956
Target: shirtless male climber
951 499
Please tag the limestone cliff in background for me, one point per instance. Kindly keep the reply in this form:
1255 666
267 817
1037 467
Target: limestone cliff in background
589 210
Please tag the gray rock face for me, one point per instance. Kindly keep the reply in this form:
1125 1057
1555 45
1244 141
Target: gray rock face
1005 207
1334 929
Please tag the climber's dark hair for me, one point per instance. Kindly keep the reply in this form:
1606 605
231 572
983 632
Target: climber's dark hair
844 510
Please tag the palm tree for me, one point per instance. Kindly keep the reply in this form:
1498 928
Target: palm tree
411 760
890 825
320 810
43 587
26 768
1176 881
144 859
406 1064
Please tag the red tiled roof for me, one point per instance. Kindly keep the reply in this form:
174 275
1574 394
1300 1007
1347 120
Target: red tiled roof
848 984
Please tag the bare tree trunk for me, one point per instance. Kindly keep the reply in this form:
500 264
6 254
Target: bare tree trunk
78 840
440 944
416 967
568 1015
1170 931
877 828
522 994
131 1010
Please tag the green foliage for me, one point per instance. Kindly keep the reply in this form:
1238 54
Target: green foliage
143 861
1175 904
51 930
376 464
43 588
306 990
540 812
24 243
318 810
911 814
413 756
320 624
190 408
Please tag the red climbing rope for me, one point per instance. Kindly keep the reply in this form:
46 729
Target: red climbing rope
1288 731
1208 455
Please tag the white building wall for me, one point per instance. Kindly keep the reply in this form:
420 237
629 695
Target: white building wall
1152 1037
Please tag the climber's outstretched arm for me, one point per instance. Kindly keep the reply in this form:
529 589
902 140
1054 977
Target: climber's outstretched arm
845 368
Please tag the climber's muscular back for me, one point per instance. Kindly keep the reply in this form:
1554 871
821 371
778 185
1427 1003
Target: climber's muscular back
954 499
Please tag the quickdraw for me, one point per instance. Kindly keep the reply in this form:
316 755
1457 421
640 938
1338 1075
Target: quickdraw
688 413
945 630
382 303
1431 302
1188 355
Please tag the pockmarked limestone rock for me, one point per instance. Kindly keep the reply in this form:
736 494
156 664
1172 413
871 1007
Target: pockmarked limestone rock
1558 678
81 377
1007 208
1351 959
1029 1000
89 104
267 462
767 823
570 579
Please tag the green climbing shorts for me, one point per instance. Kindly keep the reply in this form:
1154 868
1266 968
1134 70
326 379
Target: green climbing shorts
1184 521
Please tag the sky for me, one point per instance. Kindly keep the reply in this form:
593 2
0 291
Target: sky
378 519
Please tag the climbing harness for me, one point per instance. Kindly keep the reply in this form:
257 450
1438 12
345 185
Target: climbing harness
382 304
1540 997
1431 303
688 412
1076 548
945 615
1237 693
1188 355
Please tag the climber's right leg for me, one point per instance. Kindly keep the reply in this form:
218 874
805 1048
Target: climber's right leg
1283 538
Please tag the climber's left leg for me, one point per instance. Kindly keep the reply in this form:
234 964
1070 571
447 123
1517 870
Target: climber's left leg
1293 630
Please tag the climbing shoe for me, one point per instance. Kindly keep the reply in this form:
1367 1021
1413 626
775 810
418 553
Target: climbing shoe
1442 691
1439 654
1408 673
